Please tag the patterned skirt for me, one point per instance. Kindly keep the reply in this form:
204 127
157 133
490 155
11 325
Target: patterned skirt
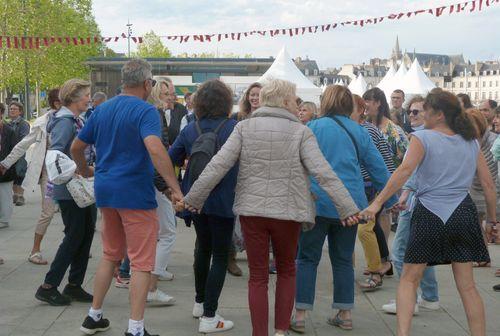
459 240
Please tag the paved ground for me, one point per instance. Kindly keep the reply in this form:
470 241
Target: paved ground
22 314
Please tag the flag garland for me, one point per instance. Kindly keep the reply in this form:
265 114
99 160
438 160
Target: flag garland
32 42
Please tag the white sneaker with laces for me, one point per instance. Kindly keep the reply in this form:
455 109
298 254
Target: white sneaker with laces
166 276
214 324
161 298
429 305
198 310
391 308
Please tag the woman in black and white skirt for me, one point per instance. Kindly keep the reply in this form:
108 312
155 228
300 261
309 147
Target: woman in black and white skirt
445 157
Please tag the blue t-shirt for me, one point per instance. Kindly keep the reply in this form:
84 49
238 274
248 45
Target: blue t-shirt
124 171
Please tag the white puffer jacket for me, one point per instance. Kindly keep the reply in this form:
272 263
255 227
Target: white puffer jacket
276 155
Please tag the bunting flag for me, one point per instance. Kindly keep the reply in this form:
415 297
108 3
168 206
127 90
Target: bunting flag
36 42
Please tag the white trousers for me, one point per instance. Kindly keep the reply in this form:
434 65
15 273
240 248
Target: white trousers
166 233
6 204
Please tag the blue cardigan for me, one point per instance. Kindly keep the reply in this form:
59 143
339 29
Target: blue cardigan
338 149
221 199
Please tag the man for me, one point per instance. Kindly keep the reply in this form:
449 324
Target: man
487 108
21 129
398 113
126 136
97 99
7 143
188 98
174 113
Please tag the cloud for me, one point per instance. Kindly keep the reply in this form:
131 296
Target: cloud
473 35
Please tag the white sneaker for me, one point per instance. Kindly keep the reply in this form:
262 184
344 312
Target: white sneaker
166 276
214 324
198 310
429 305
161 298
391 308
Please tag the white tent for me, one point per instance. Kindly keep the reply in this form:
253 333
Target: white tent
284 68
396 82
358 86
387 78
416 81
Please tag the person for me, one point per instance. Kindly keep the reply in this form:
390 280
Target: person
36 172
465 101
214 224
126 133
429 287
307 112
371 235
486 138
496 121
190 116
174 112
21 129
79 223
249 102
346 146
276 153
487 108
97 99
444 226
397 113
7 143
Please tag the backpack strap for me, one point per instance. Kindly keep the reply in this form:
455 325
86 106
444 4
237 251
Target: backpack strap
198 128
348 133
216 131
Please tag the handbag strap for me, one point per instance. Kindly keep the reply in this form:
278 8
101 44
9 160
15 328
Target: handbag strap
348 133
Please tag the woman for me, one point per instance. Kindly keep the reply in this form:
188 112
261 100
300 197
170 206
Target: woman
79 223
371 235
464 100
443 225
214 224
307 112
428 285
7 143
346 146
486 139
249 102
276 153
36 173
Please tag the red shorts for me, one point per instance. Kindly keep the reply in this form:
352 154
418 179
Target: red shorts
133 231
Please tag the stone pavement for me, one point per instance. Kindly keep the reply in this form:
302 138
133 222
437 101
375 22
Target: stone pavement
22 314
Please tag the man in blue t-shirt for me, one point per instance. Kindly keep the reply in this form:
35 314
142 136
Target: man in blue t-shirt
126 134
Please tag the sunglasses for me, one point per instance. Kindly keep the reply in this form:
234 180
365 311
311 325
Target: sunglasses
153 82
414 112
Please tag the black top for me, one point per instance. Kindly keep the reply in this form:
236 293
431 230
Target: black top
7 144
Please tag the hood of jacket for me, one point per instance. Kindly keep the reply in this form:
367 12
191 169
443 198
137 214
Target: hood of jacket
274 112
54 118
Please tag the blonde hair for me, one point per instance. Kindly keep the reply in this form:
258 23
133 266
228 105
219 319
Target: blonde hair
274 92
154 97
72 91
337 100
311 107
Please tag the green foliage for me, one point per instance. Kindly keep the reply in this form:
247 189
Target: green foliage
152 46
49 66
213 55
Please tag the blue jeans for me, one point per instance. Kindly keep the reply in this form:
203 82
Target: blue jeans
125 268
341 242
428 284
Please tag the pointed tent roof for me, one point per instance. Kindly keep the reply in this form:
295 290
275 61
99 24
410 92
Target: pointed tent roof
358 86
416 81
387 78
397 81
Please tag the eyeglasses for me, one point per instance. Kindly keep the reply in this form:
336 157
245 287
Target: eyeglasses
414 112
153 82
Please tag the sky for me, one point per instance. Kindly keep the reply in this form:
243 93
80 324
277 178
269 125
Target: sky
474 35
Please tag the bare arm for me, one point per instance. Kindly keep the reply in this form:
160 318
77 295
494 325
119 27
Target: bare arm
78 155
489 187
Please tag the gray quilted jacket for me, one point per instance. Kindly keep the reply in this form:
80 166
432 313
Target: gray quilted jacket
276 155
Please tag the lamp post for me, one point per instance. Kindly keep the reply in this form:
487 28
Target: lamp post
129 34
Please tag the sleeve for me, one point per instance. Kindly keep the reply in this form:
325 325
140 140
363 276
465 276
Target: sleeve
177 151
87 133
218 167
317 166
21 148
495 149
24 129
61 135
150 124
184 122
384 149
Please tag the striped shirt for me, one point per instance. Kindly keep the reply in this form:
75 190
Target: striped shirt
382 146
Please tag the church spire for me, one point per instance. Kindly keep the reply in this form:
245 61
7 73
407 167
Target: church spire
396 52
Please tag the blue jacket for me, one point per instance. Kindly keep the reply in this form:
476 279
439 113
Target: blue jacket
221 199
339 150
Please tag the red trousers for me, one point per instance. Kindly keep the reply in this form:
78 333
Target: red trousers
284 235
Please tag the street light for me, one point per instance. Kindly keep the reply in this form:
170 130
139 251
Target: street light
129 34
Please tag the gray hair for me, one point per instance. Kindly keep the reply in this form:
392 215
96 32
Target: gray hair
135 72
99 96
73 90
275 91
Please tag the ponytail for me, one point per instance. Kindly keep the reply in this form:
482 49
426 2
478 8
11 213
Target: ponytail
462 125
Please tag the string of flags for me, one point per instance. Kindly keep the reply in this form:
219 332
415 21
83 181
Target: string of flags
34 42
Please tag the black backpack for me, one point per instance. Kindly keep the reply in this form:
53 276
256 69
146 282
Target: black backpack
202 151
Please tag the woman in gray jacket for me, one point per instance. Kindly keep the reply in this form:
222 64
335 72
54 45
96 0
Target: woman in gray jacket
276 155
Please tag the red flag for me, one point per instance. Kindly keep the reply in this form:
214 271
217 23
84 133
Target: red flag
37 42
30 42
23 42
16 42
82 41
1 42
8 42
440 10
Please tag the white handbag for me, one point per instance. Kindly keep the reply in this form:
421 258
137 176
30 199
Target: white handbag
82 190
60 168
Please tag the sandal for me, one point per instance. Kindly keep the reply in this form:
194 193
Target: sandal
481 264
372 284
298 326
497 273
37 259
338 322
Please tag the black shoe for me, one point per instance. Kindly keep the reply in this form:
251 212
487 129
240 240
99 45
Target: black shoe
52 297
90 327
77 293
145 334
496 288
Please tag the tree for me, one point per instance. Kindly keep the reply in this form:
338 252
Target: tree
213 55
152 46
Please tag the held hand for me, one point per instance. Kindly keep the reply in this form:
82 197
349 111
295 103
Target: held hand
86 172
2 170
179 206
351 220
190 208
176 196
370 212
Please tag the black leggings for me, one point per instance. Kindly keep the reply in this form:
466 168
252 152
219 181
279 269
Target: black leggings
214 235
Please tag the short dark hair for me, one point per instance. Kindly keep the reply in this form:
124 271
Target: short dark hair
187 95
493 104
497 111
378 95
53 97
213 99
464 97
416 99
18 104
2 108
399 91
